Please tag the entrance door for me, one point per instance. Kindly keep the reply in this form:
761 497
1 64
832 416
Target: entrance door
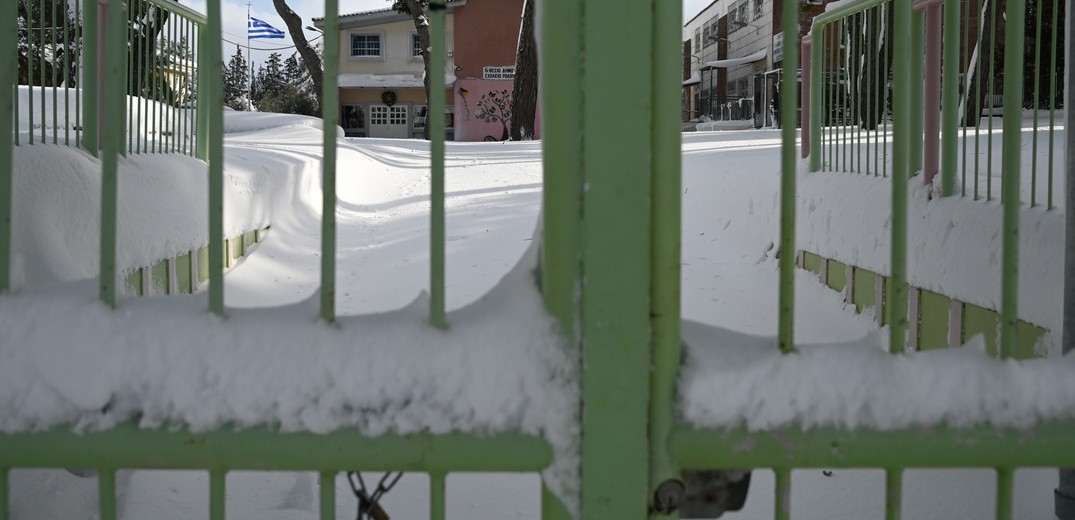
388 121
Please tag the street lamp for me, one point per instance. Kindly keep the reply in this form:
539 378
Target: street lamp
312 28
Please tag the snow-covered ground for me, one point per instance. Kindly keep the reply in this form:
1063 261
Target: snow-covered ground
729 280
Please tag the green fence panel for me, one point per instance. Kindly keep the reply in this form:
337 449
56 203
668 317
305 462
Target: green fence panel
836 277
864 290
182 274
933 310
977 320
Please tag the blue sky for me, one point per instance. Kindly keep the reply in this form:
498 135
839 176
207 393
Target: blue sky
234 14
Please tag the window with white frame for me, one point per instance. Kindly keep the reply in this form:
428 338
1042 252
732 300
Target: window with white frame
416 46
499 72
757 8
365 45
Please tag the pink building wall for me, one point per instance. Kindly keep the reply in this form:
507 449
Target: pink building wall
483 110
486 34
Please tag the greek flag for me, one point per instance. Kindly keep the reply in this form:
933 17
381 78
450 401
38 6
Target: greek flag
258 29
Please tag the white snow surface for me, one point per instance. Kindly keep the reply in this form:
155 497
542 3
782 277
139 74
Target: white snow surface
166 361
500 366
735 380
955 243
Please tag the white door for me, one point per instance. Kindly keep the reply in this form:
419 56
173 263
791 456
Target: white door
388 121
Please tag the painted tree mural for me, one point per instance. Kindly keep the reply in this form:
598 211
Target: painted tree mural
495 107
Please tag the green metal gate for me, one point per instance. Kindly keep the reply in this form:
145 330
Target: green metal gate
610 266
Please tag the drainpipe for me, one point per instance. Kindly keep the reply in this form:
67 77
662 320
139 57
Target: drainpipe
1065 493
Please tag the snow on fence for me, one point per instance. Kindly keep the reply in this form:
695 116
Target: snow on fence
617 444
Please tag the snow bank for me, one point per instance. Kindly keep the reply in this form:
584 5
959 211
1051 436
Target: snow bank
236 122
732 380
167 362
163 204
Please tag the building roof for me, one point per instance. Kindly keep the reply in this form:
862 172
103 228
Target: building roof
377 16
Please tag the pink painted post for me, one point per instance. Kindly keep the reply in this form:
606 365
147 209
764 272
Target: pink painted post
932 116
804 98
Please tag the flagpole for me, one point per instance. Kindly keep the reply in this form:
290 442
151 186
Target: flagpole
249 58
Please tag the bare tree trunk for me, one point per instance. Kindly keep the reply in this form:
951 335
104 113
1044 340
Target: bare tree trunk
421 24
309 55
524 89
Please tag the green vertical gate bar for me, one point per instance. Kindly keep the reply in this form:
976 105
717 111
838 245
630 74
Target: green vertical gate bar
106 480
788 98
901 166
55 78
1004 493
915 92
80 77
29 78
114 75
330 96
1013 90
90 75
436 484
201 112
561 252
817 116
139 85
435 111
893 493
4 472
989 96
1037 99
783 494
616 259
217 477
665 236
950 98
327 487
214 137
1052 101
41 68
8 116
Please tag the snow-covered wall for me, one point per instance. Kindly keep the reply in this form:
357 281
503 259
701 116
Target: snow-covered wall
163 200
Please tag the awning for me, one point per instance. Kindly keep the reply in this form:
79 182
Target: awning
731 62
387 81
694 80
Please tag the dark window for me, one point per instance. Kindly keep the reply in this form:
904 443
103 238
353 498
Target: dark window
366 45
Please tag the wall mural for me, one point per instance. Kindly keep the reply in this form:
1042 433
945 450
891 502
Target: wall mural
482 110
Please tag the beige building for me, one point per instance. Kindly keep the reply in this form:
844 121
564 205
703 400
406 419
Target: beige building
381 69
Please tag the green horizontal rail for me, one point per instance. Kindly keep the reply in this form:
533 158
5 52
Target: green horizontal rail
181 10
1045 445
262 449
